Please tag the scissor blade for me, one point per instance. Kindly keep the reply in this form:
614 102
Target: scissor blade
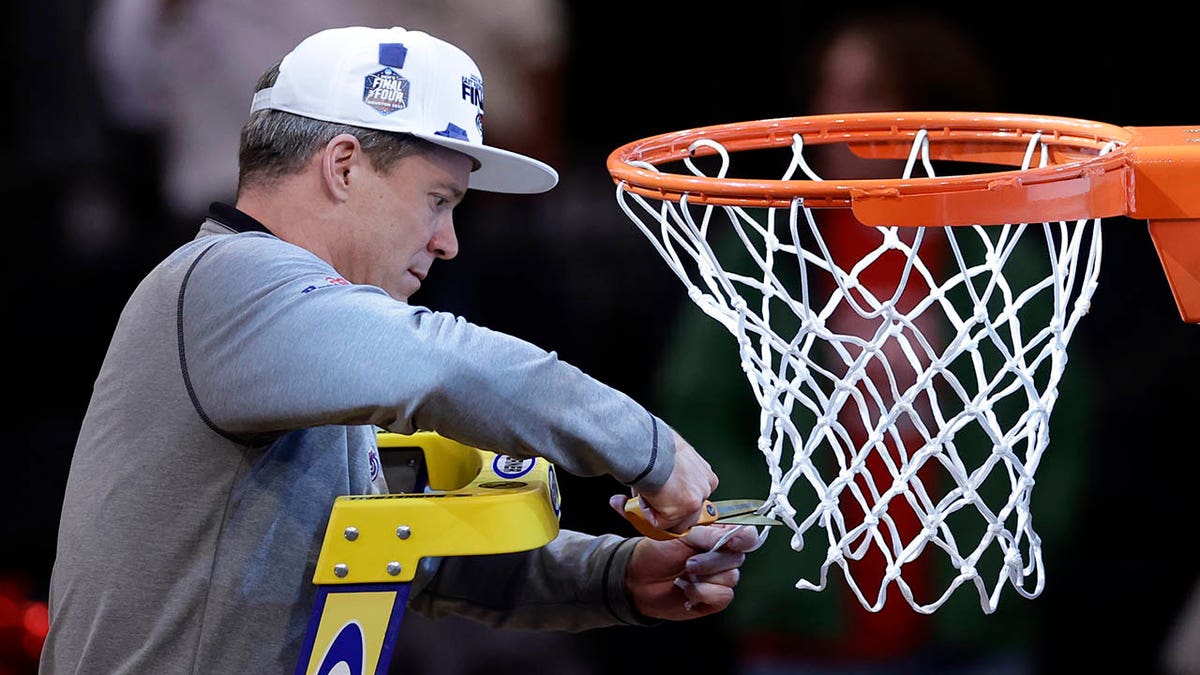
750 519
742 512
727 508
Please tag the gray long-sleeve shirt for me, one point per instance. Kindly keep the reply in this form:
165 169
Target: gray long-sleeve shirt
241 393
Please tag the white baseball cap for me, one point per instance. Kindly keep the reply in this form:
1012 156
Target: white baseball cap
404 81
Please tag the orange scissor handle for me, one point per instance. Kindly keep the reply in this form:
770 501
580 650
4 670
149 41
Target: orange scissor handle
635 515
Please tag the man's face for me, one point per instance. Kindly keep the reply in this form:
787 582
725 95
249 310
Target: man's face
402 221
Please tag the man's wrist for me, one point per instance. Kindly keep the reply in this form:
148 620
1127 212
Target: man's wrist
616 589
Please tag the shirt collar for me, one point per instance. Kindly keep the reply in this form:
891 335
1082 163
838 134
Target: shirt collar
234 219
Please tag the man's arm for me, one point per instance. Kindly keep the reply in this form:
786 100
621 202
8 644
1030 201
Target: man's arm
579 582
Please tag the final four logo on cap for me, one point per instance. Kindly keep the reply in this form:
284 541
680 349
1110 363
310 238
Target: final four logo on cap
387 90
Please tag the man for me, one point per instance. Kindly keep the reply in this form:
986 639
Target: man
250 371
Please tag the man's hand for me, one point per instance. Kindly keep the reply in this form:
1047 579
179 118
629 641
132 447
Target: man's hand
676 506
682 578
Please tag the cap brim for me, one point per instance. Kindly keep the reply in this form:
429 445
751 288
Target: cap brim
500 170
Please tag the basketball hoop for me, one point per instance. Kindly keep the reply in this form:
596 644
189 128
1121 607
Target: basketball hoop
907 364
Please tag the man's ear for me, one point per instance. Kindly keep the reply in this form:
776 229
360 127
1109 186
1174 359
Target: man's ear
342 156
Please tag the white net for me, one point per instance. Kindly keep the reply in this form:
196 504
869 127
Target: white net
906 376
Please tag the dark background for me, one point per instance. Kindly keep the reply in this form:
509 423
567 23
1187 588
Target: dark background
598 294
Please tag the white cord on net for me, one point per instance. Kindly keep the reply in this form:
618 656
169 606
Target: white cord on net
893 378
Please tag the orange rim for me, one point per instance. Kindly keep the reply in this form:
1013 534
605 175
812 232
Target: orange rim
1149 173
1079 183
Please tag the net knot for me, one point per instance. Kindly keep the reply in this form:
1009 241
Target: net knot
893 572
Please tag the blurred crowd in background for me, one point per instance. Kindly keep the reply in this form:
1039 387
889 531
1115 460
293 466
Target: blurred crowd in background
121 126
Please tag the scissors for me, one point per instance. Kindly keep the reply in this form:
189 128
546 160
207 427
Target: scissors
728 511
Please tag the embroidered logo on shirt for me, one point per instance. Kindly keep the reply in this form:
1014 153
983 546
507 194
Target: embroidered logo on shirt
329 281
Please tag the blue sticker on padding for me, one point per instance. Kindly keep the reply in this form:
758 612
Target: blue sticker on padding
512 467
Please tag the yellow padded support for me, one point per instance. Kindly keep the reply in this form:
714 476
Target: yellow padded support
479 503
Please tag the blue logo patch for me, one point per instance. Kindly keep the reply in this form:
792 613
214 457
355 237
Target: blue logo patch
386 91
347 653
